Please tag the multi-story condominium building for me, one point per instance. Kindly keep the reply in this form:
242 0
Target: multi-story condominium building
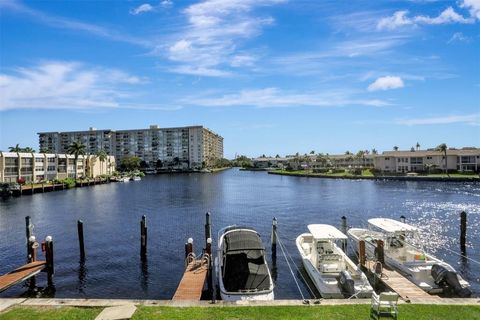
34 167
181 147
465 159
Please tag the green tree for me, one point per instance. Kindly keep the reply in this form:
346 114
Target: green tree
131 163
312 152
102 156
374 151
15 149
76 148
443 148
395 148
418 146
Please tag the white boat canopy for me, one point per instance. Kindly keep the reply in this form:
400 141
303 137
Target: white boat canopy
391 226
325 232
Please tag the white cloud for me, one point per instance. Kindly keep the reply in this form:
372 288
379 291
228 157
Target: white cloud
447 16
64 85
458 37
211 40
400 19
142 9
71 24
473 6
276 98
386 83
471 119
166 3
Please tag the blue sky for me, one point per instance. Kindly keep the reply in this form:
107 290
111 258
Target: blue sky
270 76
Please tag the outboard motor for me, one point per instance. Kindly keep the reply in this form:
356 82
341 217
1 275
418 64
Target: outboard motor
444 275
346 283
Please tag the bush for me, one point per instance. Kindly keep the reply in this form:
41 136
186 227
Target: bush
69 182
356 172
337 170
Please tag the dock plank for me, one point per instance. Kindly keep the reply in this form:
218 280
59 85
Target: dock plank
193 280
406 289
21 274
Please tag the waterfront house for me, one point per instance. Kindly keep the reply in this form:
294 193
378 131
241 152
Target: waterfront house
465 159
36 167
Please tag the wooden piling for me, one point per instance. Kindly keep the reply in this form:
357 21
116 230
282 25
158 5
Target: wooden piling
402 219
361 252
188 247
80 239
463 232
208 229
379 252
143 236
28 234
274 237
344 230
49 259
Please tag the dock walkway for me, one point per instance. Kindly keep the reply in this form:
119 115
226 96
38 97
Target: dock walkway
193 280
21 274
406 289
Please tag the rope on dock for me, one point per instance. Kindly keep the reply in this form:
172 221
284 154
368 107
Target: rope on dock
284 249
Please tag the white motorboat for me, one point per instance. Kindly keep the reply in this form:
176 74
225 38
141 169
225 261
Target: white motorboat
240 265
329 267
136 178
403 252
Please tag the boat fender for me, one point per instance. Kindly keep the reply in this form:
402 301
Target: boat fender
445 276
346 283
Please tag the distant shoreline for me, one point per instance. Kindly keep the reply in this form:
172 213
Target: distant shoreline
393 178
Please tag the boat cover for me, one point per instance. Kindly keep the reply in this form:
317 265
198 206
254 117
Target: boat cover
245 268
242 240
391 226
325 232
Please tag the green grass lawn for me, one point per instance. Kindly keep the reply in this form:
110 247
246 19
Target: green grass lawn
50 313
340 312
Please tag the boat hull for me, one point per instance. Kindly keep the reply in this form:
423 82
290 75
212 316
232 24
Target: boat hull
327 284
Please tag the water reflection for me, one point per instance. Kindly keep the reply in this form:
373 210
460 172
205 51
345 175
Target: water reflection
175 206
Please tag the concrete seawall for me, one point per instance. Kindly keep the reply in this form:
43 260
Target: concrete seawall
385 178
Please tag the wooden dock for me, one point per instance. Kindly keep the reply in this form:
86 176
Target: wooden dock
21 274
406 289
193 281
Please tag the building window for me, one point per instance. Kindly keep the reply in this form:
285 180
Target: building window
386 159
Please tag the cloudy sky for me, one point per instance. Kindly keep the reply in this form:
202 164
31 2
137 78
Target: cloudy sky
270 76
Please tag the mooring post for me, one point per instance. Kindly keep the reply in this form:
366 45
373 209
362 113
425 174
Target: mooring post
402 219
80 239
274 238
380 252
463 232
208 249
49 259
143 236
361 252
344 230
28 233
208 229
188 247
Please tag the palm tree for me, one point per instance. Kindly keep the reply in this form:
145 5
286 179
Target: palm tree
15 149
443 148
44 150
312 152
76 148
418 146
374 151
28 150
395 148
102 156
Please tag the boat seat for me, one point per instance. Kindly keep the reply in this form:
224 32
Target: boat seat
330 263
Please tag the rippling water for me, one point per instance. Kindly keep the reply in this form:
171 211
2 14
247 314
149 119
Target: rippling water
175 206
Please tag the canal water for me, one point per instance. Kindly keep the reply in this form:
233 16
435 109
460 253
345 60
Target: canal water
175 206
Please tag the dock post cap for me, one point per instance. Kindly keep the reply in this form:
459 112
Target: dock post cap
48 238
209 240
32 239
274 221
190 240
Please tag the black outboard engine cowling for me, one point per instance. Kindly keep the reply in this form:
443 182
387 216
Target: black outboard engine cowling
346 283
444 275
